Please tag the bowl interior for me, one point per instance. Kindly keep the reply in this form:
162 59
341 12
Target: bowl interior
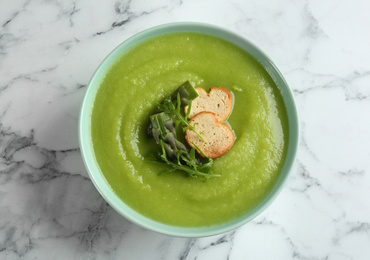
87 148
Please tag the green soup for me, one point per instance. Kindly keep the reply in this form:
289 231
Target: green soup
153 70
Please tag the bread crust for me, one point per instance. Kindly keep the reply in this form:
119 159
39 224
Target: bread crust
218 101
217 135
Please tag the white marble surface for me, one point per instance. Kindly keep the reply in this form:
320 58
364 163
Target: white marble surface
49 209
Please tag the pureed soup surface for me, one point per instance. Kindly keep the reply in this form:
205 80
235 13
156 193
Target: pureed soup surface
153 70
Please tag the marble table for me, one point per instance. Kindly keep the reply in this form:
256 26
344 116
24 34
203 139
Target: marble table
49 208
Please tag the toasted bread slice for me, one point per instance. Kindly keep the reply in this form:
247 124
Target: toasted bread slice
218 136
218 101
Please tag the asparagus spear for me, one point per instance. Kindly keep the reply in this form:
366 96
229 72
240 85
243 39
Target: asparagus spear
163 129
187 94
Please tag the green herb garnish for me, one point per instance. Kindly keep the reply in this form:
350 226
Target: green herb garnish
186 161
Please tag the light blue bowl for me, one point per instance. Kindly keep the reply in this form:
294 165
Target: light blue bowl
87 147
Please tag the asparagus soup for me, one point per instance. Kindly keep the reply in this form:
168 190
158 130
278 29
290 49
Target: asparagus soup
128 96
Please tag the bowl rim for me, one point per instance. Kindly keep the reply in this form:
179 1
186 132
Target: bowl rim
103 186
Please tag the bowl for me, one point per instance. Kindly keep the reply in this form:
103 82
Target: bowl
92 166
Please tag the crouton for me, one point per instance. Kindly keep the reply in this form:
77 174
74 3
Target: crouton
218 136
217 101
